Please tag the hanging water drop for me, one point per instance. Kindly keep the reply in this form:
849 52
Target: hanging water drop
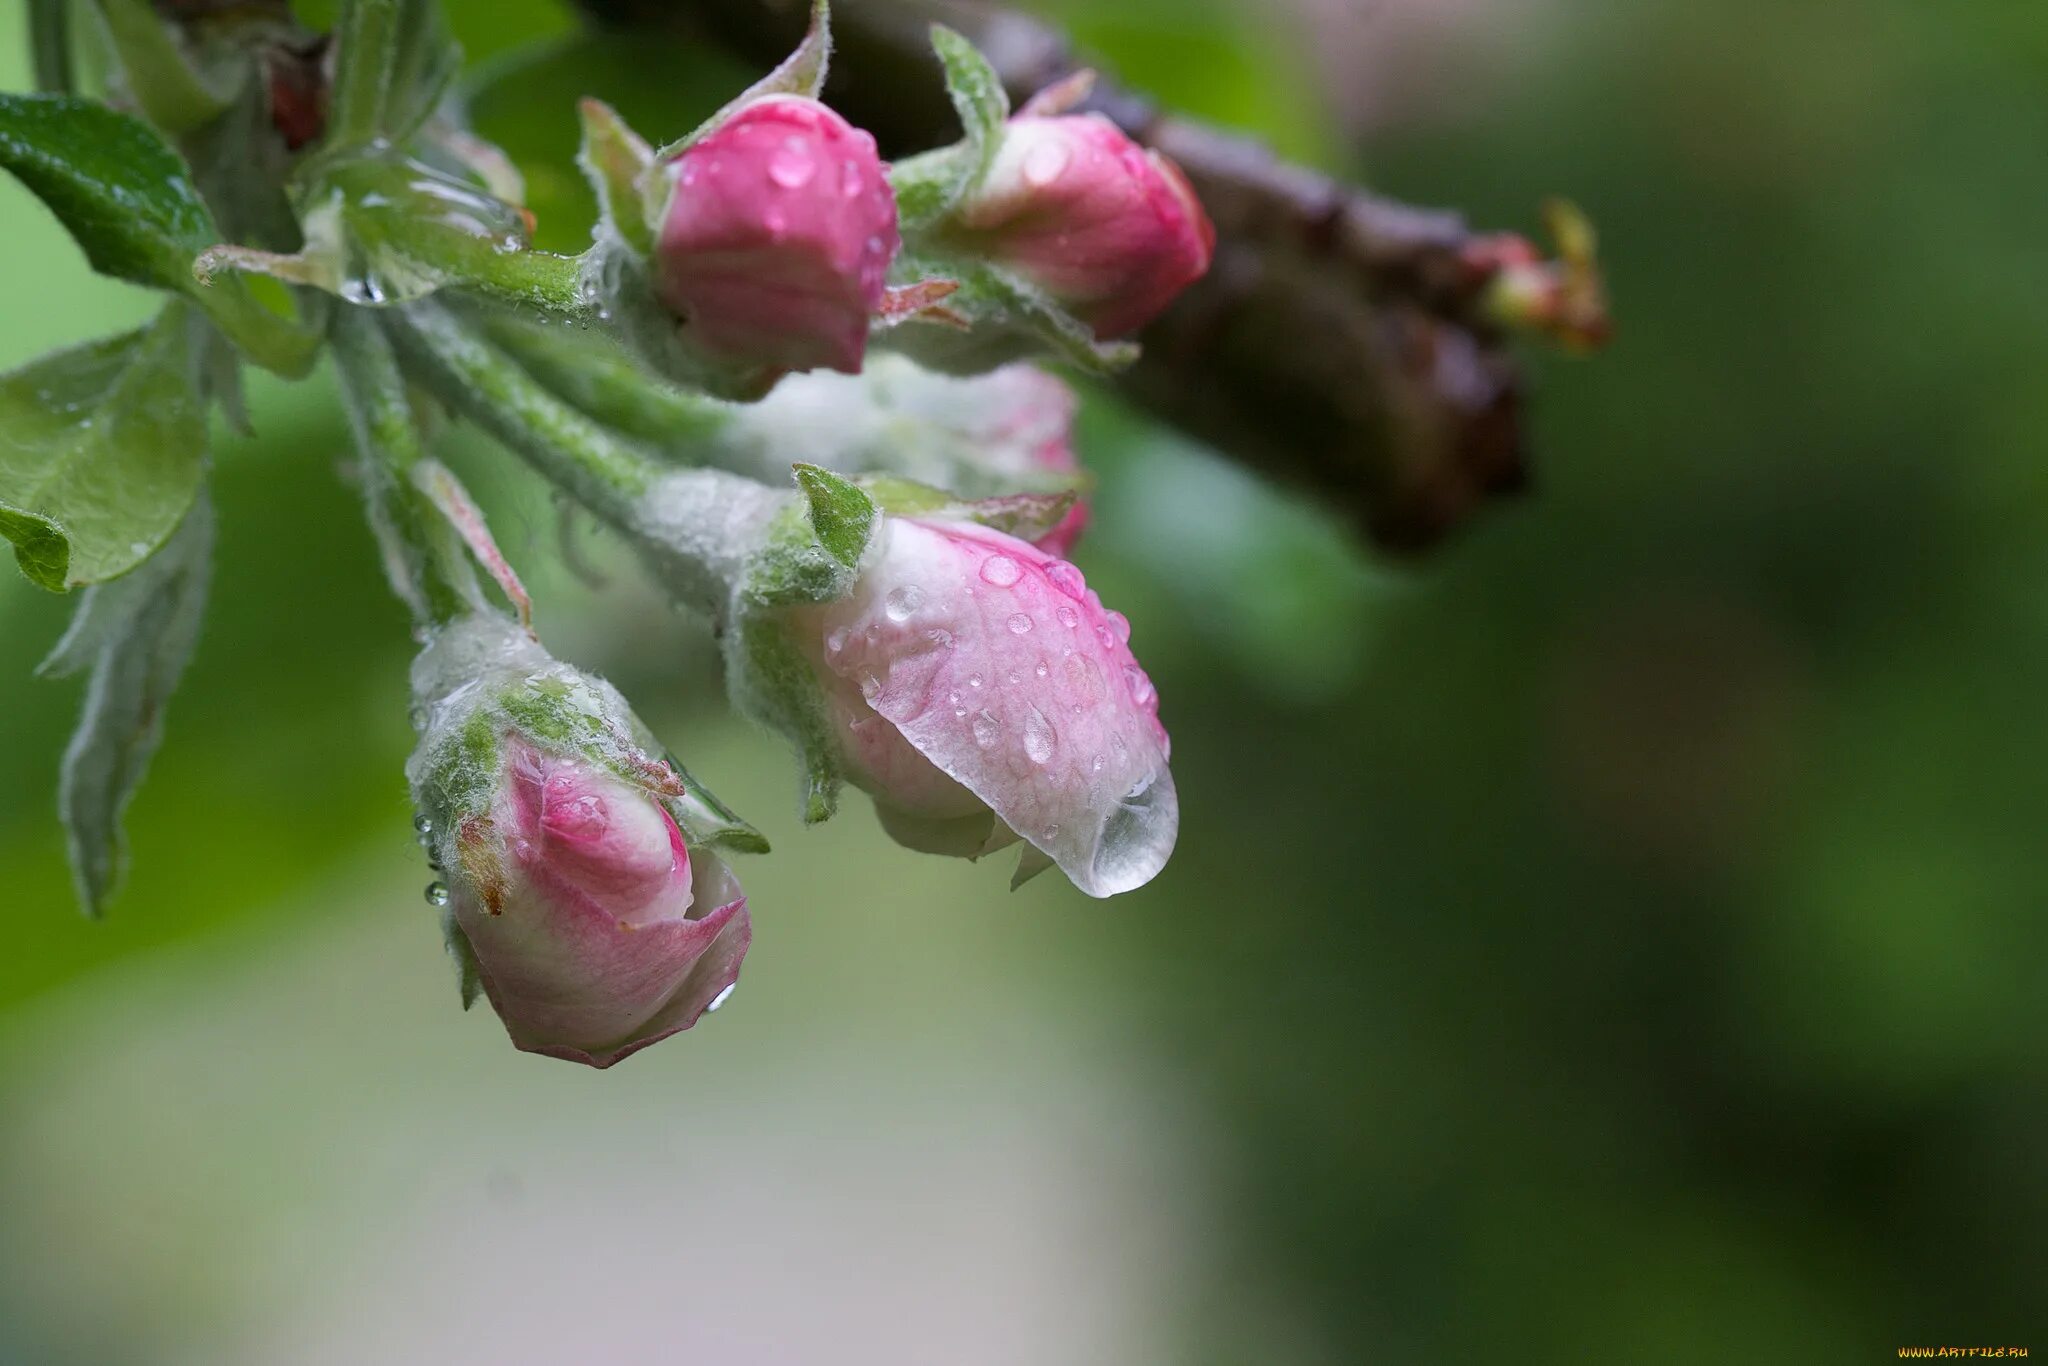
792 165
437 894
722 997
901 602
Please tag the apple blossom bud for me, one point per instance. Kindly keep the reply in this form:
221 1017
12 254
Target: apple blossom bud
1110 230
573 896
774 244
980 436
982 692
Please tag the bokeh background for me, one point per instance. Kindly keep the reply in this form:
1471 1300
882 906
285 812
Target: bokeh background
1619 938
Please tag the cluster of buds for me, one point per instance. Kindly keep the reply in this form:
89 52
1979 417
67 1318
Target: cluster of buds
905 615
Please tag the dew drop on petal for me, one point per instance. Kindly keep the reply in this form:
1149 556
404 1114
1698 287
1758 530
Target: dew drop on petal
1120 624
871 689
722 997
850 182
777 223
1040 739
901 602
1067 579
1042 670
1000 570
836 642
940 637
987 730
1069 618
1141 685
974 680
1106 636
1044 163
792 165
1020 624
437 894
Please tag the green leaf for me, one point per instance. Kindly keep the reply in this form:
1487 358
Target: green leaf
102 448
126 197
114 183
394 60
1027 516
842 514
136 636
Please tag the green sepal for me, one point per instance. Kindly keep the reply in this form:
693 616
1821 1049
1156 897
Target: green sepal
129 201
802 73
977 93
617 161
842 515
1027 516
780 689
469 974
1008 319
102 451
394 60
708 822
172 91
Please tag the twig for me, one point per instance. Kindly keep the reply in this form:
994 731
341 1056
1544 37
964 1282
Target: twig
1342 342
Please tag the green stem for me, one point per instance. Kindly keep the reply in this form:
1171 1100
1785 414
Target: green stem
423 554
480 382
605 383
698 527
49 40
537 279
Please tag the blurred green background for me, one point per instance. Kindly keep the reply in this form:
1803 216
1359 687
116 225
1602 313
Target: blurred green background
1620 938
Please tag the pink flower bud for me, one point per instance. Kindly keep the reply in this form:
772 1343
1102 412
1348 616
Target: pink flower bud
577 896
1109 229
981 689
776 239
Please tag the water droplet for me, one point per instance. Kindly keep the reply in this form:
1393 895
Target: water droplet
1020 624
987 730
777 223
689 174
1044 163
437 894
1106 636
1013 678
1067 579
940 637
792 165
1121 624
871 689
419 718
1052 832
836 642
423 825
1141 685
850 181
901 602
722 997
974 680
1040 739
1095 764
1000 570
1069 618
